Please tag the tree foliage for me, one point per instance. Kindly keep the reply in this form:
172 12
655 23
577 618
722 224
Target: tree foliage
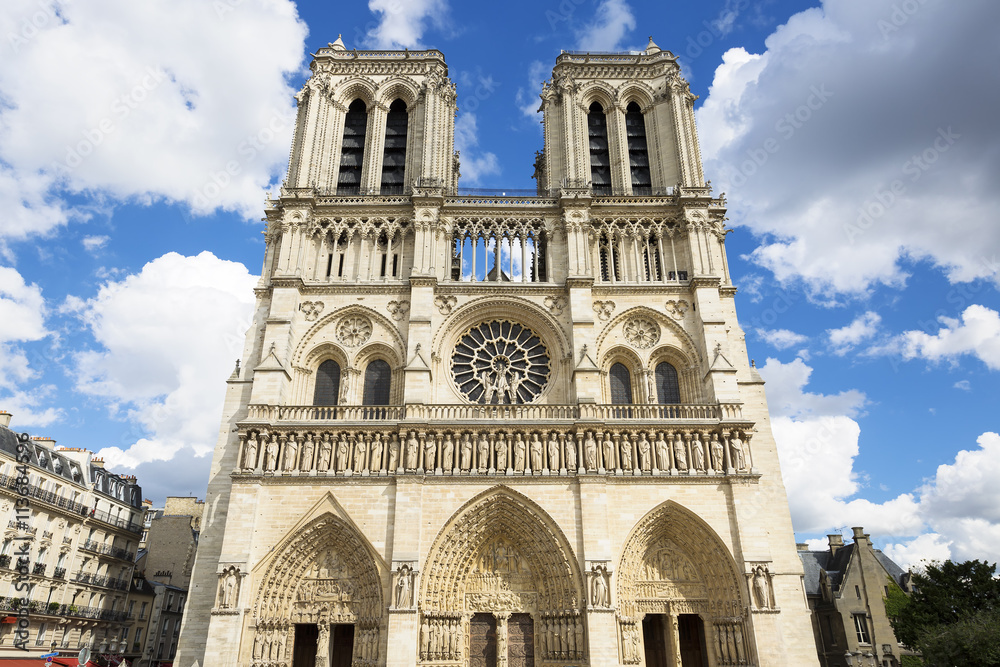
953 615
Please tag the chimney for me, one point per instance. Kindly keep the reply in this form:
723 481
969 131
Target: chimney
4 418
859 534
44 441
836 541
801 546
98 462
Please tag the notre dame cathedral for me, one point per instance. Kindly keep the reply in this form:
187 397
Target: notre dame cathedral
503 430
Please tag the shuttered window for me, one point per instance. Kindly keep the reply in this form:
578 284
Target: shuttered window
394 153
600 161
638 153
352 150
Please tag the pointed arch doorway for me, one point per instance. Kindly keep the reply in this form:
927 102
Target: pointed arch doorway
503 587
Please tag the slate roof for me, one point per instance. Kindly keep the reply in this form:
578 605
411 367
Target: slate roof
813 562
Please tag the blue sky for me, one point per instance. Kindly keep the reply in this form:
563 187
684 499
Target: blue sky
856 142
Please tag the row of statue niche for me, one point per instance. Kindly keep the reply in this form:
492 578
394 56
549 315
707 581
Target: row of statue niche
561 637
441 639
364 453
269 643
731 648
630 643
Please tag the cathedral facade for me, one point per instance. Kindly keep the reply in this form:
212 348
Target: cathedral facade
495 429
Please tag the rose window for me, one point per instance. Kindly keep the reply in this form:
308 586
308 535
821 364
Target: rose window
642 333
500 362
354 330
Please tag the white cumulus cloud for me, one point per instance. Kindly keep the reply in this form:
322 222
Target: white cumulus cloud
782 339
612 22
976 334
863 327
473 164
402 23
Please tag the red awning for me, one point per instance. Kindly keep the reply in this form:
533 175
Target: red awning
61 661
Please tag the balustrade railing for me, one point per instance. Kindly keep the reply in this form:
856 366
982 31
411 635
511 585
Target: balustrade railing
105 517
37 493
108 550
13 604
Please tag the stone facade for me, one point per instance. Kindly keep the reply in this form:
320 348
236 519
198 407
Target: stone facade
495 430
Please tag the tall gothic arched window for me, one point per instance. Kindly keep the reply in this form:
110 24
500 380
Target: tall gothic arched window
600 161
352 150
638 153
377 381
394 153
668 388
327 390
621 385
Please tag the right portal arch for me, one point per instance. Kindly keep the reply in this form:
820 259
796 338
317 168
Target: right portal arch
677 575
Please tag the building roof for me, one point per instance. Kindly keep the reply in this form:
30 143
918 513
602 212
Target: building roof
835 565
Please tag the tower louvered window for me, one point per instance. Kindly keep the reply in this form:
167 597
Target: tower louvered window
638 153
327 390
394 155
352 150
600 162
668 389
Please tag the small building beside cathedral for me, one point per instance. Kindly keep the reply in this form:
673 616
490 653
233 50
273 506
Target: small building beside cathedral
495 429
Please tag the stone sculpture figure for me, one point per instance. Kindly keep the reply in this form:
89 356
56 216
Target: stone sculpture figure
325 452
761 588
412 452
697 453
519 453
448 456
360 454
291 449
430 451
403 587
250 453
394 453
600 593
662 453
570 454
466 451
609 452
553 452
308 448
425 638
376 453
590 446
736 457
272 455
342 453
644 451
536 452
626 452
717 455
501 452
680 453
483 450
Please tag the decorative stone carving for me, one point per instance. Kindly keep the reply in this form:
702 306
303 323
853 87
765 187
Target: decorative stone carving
398 309
642 333
403 590
677 309
445 303
760 582
555 304
354 330
600 586
311 309
604 309
229 588
500 362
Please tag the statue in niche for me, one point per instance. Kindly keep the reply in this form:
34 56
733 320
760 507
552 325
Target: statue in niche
680 453
308 448
412 451
662 453
590 447
570 454
717 455
609 452
483 448
520 449
291 449
430 452
736 456
250 453
535 450
553 452
626 452
342 453
761 587
271 459
466 452
325 453
229 583
501 451
376 456
644 451
394 452
697 453
600 595
404 585
448 458
360 454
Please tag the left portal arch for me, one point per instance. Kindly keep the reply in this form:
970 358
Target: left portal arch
323 574
502 554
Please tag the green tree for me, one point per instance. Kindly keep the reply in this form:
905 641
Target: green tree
953 615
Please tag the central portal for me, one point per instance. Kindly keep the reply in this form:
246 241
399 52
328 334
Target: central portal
483 641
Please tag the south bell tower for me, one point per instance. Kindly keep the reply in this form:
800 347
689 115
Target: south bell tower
495 429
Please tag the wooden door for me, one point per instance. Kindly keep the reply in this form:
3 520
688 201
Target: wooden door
692 641
306 636
654 640
483 641
520 641
341 645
